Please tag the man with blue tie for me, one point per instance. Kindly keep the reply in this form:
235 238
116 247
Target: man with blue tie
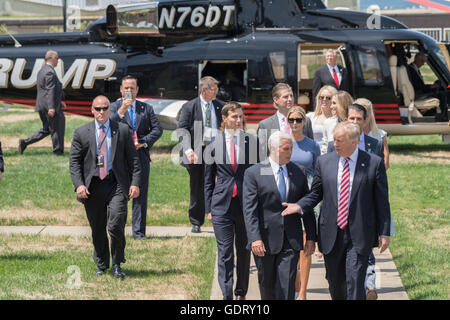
276 240
146 129
105 171
355 213
232 152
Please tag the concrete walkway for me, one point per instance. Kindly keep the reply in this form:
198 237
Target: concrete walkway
389 284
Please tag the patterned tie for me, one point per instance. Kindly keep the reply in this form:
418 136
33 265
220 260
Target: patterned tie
335 77
344 196
233 163
103 171
208 115
281 185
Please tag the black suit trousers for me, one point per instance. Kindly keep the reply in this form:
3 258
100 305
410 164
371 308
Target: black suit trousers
197 197
229 227
277 272
346 269
55 126
139 211
106 210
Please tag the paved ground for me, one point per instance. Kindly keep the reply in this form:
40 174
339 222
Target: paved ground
389 285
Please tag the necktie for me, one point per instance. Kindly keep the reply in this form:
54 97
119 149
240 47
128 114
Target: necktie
103 171
287 127
344 196
208 116
281 185
233 163
132 118
335 77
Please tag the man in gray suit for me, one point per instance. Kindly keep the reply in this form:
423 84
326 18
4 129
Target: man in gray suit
50 106
275 240
355 214
283 100
105 171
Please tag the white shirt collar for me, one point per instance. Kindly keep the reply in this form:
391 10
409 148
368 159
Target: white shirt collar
228 134
98 125
203 101
276 167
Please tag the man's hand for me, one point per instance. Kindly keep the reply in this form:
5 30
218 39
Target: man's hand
192 157
139 145
258 248
309 248
82 192
291 208
126 103
63 105
383 243
209 216
51 113
134 192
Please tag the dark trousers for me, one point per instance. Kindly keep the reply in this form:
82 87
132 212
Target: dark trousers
55 126
197 202
106 210
346 269
227 228
277 272
139 211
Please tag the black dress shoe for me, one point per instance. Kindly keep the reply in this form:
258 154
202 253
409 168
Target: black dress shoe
100 272
196 229
117 272
22 146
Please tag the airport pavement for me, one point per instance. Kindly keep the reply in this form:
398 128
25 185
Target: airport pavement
389 284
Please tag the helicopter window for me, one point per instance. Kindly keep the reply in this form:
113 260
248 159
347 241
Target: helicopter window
370 67
278 60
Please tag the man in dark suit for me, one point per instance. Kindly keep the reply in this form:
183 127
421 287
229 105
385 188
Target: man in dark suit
2 168
199 121
232 152
331 74
146 129
105 171
275 240
357 114
355 213
50 106
283 100
424 91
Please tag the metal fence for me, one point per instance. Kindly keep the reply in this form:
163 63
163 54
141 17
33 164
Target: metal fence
438 34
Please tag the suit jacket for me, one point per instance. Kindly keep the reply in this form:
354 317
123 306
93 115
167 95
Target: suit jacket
323 77
191 112
218 194
125 160
371 144
262 208
272 124
369 209
49 90
420 88
2 168
148 127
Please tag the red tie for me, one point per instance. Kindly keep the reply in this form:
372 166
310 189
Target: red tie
233 163
344 195
103 171
335 77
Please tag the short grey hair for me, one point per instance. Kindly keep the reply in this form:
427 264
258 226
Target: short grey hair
50 54
276 137
207 81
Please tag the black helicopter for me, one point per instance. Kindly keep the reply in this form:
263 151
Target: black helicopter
248 45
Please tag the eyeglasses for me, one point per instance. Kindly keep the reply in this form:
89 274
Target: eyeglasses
292 120
98 109
213 89
325 98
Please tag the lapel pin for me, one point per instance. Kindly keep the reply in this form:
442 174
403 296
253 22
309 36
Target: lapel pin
363 164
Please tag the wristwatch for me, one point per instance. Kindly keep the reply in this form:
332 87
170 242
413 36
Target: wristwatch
145 145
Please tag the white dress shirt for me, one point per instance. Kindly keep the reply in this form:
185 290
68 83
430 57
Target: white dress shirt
352 167
236 144
339 75
275 168
282 121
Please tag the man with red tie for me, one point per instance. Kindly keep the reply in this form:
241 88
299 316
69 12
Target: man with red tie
355 214
227 157
331 74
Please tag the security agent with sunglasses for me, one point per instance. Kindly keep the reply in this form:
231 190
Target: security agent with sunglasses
105 171
147 129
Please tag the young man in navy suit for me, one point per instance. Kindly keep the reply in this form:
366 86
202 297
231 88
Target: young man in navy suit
232 152
355 214
146 129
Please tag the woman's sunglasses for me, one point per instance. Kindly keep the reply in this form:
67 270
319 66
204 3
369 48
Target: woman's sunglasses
292 120
325 98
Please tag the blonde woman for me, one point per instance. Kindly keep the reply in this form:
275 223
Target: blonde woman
339 105
371 129
322 112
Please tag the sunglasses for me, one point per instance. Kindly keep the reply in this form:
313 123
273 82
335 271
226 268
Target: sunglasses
324 98
292 120
98 109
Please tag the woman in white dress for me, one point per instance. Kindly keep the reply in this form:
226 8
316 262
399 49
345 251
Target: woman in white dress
371 128
339 104
322 113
